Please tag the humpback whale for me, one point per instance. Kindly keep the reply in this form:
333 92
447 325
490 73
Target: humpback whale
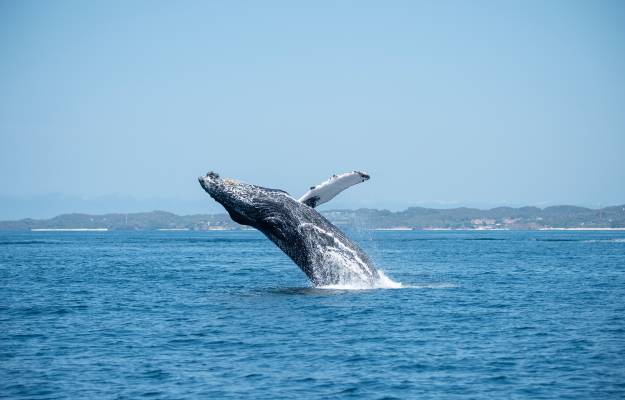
315 245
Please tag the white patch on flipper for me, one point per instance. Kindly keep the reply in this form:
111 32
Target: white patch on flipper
327 190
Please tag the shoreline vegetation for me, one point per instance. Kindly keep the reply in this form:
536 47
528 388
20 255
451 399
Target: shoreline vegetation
555 218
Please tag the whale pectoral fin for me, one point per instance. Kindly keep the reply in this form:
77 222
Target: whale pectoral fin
327 190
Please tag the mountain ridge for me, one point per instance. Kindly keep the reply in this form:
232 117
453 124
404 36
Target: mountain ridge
526 217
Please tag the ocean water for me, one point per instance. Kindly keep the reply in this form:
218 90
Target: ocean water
216 315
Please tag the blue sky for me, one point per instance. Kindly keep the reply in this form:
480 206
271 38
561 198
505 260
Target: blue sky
119 106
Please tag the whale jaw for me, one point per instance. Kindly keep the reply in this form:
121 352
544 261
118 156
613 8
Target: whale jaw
231 197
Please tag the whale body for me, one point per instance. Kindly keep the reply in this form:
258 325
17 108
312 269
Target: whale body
319 248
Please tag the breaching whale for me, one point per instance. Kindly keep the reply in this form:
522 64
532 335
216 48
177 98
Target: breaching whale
319 248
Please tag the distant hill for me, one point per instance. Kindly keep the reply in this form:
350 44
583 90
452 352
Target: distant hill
473 218
411 218
134 221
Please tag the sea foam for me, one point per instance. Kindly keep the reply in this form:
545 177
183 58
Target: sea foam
382 282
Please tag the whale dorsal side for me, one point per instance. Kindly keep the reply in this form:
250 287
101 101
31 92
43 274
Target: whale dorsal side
329 189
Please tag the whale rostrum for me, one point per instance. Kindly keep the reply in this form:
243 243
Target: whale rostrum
319 248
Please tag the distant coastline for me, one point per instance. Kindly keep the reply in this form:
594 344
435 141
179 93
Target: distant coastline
69 229
582 229
555 218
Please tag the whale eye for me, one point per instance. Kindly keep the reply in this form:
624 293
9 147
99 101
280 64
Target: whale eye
312 188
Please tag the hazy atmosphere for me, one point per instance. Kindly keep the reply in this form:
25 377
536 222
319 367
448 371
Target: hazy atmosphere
119 106
455 226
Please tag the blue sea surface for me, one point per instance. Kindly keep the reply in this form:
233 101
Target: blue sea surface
186 315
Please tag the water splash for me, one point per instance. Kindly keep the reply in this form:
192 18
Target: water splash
382 282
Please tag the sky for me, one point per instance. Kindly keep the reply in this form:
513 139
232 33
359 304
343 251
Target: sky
118 106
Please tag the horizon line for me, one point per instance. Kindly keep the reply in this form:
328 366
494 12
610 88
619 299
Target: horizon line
326 210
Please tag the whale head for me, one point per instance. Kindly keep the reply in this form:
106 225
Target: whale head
247 204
